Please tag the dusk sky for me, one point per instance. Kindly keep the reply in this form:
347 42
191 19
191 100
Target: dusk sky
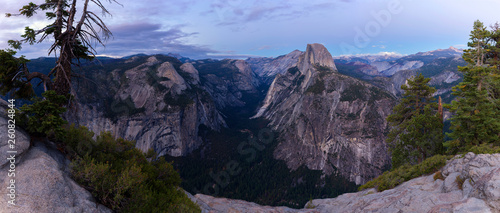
239 28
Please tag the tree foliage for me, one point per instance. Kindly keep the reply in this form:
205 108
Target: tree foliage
391 179
11 72
43 117
477 108
71 38
417 127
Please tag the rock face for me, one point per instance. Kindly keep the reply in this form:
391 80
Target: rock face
160 102
270 67
479 191
316 54
209 204
328 121
22 139
42 181
156 101
228 81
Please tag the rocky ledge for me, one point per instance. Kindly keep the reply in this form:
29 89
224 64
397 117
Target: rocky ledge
469 183
36 178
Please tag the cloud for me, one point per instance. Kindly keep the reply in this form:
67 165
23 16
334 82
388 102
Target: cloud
240 12
231 56
379 46
265 47
390 54
321 6
460 46
13 27
259 13
395 54
144 37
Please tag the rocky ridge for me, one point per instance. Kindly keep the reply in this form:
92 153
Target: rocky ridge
160 102
382 65
227 81
155 101
470 183
328 121
270 67
439 65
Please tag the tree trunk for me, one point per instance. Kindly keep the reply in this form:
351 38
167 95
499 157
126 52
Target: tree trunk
62 81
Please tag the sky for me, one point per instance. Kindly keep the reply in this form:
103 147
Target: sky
269 28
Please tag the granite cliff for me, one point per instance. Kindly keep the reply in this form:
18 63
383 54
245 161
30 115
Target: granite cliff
268 68
328 121
147 100
160 102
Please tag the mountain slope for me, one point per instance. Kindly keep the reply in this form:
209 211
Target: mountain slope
383 65
328 121
268 68
156 101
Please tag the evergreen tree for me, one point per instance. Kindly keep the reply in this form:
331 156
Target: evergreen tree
477 110
417 127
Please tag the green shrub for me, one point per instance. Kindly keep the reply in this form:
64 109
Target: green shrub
391 179
460 182
43 117
121 177
309 204
438 175
78 141
485 149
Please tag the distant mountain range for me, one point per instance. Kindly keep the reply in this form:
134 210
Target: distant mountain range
388 65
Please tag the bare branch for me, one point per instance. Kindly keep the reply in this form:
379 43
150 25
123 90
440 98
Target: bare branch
99 4
82 19
72 12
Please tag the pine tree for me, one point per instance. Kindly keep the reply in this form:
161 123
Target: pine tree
417 126
477 110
